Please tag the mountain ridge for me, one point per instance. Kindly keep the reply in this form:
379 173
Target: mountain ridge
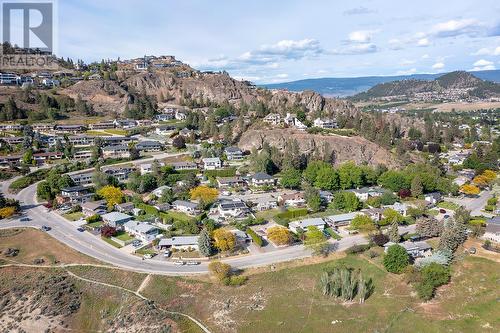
349 86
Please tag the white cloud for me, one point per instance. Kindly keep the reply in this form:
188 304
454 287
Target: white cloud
359 11
488 51
361 36
483 65
406 62
395 44
282 76
423 42
453 28
362 48
438 65
425 56
407 72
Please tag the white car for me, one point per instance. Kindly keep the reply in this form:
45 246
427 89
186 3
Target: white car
179 263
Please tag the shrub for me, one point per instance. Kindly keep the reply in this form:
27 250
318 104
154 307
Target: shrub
6 212
256 238
279 235
94 218
432 276
108 231
396 259
357 248
380 239
489 208
219 269
235 280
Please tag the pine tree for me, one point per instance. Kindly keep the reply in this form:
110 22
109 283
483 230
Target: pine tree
205 243
394 233
417 188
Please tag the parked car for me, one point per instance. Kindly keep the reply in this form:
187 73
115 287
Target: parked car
167 254
472 250
24 219
446 216
191 263
442 211
136 243
46 228
80 229
179 262
149 255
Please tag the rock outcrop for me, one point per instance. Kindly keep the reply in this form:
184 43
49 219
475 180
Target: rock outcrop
342 148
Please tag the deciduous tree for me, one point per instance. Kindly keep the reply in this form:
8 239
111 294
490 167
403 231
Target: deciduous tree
224 240
279 235
112 195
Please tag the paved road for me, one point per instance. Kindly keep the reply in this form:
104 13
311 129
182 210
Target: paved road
475 205
86 243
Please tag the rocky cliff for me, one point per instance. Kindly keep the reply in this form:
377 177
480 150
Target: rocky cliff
355 149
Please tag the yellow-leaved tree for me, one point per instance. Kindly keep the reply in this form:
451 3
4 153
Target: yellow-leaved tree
469 189
279 235
224 240
206 195
112 195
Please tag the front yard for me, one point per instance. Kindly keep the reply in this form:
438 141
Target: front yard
124 236
73 216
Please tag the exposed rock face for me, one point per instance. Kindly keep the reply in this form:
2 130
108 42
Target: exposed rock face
105 96
344 149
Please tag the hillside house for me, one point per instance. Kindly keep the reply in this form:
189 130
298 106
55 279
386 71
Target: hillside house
188 207
146 232
317 222
75 195
325 123
492 232
414 249
235 209
262 179
91 208
116 219
233 153
339 220
118 151
292 200
149 146
273 119
179 243
212 163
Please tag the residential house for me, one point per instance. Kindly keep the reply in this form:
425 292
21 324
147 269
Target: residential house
187 207
325 123
414 249
91 208
13 140
10 160
317 222
120 173
235 209
82 155
326 196
76 195
339 220
212 163
225 182
148 167
233 153
141 230
273 119
118 151
125 207
83 178
159 191
70 128
262 179
183 166
149 146
376 214
179 243
367 192
125 123
292 200
264 203
401 208
180 115
116 219
165 130
492 232
117 140
102 125
432 198
45 156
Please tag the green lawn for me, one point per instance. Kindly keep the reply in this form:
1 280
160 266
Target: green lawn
448 205
179 216
110 241
97 133
124 236
116 131
73 216
94 224
333 234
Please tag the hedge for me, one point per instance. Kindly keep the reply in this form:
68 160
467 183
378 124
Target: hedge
293 213
357 248
256 238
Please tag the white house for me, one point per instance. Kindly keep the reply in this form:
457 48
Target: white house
492 232
159 191
236 209
341 219
262 179
116 219
304 224
233 153
179 243
432 198
164 130
141 230
212 163
414 249
273 119
187 207
367 192
148 167
292 200
401 208
115 151
324 123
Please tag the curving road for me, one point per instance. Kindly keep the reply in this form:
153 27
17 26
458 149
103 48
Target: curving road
88 244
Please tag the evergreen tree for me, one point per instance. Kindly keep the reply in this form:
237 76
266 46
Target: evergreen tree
417 188
394 233
205 243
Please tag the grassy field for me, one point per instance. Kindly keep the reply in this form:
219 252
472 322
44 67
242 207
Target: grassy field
97 133
124 236
448 205
287 299
34 244
73 216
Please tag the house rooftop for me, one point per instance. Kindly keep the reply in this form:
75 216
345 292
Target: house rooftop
179 241
342 217
261 176
312 222
74 189
116 216
185 203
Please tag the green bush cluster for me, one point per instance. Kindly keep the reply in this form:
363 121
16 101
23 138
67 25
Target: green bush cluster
256 238
358 248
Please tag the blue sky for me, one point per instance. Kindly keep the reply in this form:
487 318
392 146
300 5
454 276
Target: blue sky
276 41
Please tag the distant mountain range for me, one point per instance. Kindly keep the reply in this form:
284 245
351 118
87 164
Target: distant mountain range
343 87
